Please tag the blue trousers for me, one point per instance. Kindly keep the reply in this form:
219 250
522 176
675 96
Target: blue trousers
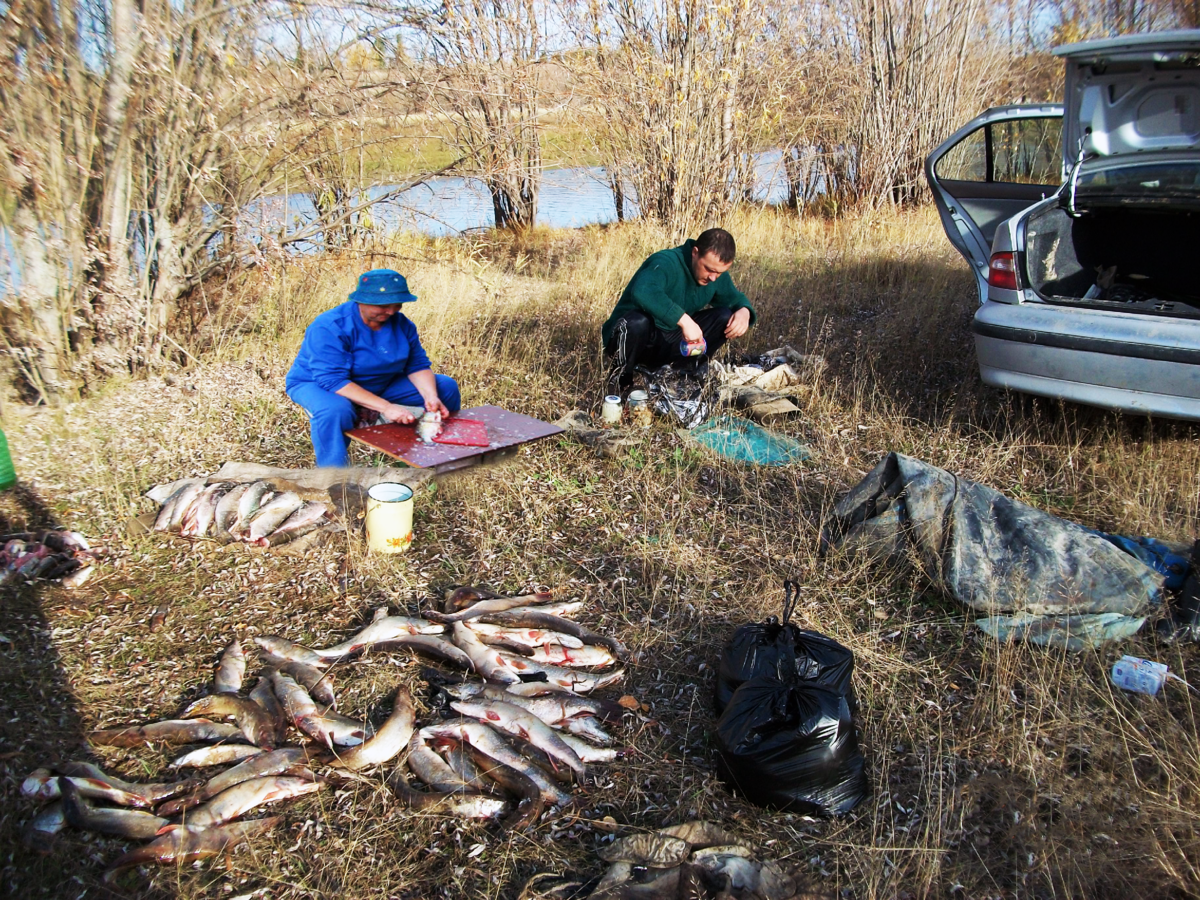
330 414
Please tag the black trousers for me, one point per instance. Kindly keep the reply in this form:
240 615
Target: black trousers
637 341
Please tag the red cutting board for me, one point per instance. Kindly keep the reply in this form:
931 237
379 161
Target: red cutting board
463 433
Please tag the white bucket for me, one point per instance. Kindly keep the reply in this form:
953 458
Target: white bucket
389 517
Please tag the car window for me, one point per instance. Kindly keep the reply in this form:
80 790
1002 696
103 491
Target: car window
1027 151
966 160
1019 151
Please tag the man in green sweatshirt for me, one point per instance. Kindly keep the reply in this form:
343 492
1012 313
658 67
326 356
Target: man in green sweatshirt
681 294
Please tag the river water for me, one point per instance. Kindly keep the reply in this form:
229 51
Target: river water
449 205
568 198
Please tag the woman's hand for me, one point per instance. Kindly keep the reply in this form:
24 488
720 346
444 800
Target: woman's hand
435 405
394 412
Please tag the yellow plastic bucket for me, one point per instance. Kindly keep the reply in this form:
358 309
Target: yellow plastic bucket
389 517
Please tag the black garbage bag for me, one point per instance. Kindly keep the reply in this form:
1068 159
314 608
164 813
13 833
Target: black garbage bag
781 649
785 733
789 744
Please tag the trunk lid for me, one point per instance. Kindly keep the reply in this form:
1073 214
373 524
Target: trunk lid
1131 95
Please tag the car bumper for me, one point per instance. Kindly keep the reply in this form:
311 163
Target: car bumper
1134 363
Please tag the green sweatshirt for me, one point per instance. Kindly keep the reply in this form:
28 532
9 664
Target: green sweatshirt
664 289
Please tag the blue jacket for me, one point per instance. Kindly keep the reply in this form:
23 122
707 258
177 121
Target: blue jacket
339 348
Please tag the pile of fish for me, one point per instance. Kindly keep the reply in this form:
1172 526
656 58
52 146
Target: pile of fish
508 745
49 555
254 512
696 860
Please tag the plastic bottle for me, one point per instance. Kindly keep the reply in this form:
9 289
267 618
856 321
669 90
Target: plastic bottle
8 475
1143 676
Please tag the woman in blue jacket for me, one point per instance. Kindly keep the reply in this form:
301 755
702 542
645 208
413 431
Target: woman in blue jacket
364 355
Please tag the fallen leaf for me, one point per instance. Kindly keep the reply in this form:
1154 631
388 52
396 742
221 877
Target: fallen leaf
629 702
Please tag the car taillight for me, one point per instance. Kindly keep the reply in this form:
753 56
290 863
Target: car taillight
1002 271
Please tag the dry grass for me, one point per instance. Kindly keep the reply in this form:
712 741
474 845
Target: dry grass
997 771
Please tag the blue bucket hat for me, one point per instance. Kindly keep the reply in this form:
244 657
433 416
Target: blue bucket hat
381 287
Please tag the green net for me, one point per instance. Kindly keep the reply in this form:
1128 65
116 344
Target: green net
745 442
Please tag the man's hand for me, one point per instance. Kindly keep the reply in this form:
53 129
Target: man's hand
739 323
394 412
691 331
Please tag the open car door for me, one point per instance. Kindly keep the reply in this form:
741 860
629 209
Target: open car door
989 170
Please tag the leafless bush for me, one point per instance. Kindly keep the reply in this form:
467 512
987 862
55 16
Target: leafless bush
480 76
666 86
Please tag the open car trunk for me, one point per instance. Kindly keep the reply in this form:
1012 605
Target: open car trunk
1119 258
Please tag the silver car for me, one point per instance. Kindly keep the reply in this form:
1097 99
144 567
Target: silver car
1080 222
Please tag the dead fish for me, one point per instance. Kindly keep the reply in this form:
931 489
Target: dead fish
735 863
39 835
490 744
486 661
258 727
128 823
285 761
430 645
318 684
345 731
590 753
700 834
539 618
226 512
553 708
431 768
153 792
297 704
271 515
619 883
285 649
215 756
248 505
42 784
564 608
176 505
458 757
170 731
492 605
587 657
199 517
580 682
392 737
460 805
586 726
264 695
302 520
299 707
184 845
387 628
654 850
525 725
463 596
530 637
230 670
536 689
275 762
241 798
567 710
530 803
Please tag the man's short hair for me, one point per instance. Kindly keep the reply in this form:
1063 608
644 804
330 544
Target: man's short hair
718 242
